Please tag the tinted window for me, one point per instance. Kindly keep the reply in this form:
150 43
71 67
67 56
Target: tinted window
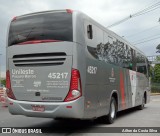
47 26
89 32
140 63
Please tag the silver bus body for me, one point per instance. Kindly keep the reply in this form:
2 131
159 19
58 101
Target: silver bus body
39 74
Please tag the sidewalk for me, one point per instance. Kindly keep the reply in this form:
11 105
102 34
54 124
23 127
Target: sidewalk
152 94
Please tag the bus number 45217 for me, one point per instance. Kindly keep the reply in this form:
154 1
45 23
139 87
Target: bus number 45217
58 75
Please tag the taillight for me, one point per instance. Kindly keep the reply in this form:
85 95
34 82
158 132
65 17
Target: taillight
69 11
8 86
38 41
14 19
75 90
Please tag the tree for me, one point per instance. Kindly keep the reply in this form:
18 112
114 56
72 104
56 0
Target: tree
3 82
151 73
158 49
157 71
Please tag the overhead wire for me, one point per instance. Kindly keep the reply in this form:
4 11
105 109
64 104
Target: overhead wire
146 41
135 34
146 38
139 13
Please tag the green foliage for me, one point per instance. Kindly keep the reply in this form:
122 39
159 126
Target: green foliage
155 87
157 73
158 49
158 58
151 72
3 82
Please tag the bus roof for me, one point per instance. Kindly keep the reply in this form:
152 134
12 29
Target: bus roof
86 17
47 11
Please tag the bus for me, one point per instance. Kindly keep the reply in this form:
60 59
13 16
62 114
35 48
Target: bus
63 64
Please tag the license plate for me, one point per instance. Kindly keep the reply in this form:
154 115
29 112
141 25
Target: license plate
38 108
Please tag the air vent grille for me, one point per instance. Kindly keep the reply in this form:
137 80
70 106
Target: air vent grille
39 59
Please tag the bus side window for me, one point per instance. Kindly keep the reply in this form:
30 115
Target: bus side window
129 56
89 32
141 64
142 69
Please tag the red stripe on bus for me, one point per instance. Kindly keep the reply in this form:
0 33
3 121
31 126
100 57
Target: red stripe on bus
122 89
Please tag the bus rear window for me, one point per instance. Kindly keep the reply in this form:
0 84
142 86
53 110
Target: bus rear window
46 26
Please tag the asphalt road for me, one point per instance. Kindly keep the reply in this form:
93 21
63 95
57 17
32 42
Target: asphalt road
149 117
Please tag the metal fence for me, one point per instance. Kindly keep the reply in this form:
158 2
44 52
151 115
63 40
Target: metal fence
155 87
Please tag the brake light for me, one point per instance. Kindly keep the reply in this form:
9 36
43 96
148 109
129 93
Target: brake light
69 11
75 90
8 86
14 19
38 41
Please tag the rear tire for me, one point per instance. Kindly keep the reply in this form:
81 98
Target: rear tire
58 119
141 107
109 119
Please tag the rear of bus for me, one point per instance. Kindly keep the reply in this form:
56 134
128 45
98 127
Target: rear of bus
43 78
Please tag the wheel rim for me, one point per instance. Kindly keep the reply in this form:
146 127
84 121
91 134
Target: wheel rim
113 110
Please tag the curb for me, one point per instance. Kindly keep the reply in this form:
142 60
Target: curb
153 94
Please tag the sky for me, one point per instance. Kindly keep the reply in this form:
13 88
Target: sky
105 12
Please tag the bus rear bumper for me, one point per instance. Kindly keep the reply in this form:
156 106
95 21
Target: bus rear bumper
72 109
